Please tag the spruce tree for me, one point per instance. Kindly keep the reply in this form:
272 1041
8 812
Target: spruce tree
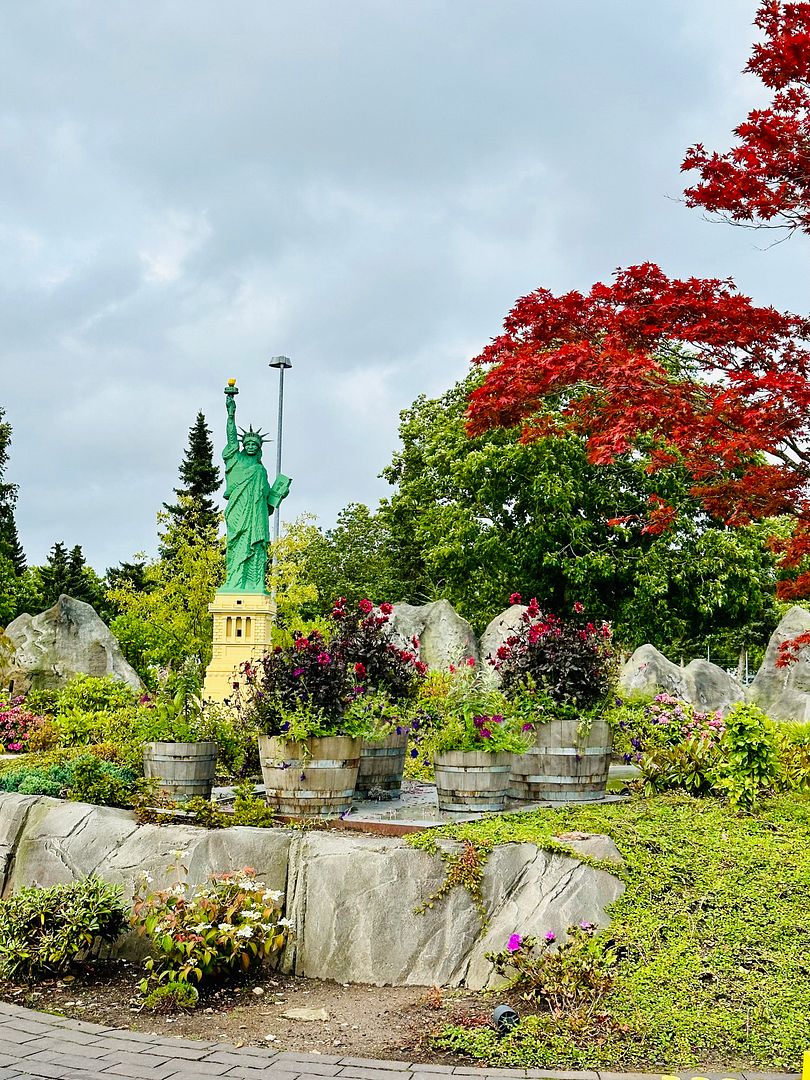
200 479
10 545
55 574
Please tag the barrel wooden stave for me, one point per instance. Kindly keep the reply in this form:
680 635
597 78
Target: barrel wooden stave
185 770
329 768
381 766
558 769
472 780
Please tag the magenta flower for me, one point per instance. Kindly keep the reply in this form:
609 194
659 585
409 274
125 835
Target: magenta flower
527 727
514 598
550 936
324 658
486 733
514 943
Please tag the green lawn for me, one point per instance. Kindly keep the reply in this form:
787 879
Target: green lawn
713 932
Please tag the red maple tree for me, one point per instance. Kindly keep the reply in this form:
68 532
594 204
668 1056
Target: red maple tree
690 371
764 180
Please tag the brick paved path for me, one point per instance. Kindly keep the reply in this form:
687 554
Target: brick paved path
34 1045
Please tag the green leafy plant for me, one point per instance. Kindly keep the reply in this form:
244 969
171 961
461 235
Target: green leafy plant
472 714
573 976
47 931
691 767
750 756
172 997
206 934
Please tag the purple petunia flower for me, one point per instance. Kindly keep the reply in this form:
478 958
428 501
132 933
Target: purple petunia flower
514 943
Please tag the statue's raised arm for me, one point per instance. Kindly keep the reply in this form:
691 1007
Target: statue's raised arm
230 425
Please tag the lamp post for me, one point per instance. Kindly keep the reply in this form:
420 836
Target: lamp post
282 363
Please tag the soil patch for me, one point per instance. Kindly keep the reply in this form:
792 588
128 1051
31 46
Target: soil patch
394 1022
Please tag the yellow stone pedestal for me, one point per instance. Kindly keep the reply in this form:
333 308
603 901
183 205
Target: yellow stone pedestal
242 625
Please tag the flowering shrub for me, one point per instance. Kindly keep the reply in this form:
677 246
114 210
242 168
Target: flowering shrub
472 714
665 721
227 926
17 726
573 978
310 686
570 662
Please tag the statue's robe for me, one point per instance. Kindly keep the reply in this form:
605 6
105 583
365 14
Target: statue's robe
247 520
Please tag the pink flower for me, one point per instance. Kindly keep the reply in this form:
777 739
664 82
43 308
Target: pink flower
579 608
550 936
366 606
514 943
515 599
527 727
486 733
387 609
324 658
470 661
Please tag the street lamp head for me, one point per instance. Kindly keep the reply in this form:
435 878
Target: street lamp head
280 362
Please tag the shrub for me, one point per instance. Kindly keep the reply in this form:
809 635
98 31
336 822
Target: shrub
691 767
18 725
47 931
750 758
643 726
571 662
204 935
573 978
85 778
172 997
793 741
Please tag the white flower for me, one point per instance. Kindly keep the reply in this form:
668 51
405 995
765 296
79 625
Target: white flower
198 929
244 931
250 913
284 922
225 926
275 897
148 879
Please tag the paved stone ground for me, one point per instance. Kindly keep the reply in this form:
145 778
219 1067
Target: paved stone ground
36 1045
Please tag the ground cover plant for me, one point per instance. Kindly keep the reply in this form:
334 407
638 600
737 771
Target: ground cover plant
710 938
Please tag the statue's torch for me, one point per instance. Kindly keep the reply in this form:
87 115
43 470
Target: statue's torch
231 389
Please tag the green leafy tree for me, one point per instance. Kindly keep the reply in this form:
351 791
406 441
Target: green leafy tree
357 559
477 519
167 623
200 480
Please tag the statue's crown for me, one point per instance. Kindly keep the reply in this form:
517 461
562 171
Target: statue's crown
259 434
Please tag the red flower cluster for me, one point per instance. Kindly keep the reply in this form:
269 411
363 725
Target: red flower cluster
570 662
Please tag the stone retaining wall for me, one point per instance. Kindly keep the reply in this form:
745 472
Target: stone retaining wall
350 897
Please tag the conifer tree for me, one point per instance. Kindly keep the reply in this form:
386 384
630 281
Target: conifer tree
10 546
200 479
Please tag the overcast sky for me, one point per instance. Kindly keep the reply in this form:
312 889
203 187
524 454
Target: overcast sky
189 187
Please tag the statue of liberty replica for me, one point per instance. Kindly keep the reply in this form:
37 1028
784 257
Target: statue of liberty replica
243 609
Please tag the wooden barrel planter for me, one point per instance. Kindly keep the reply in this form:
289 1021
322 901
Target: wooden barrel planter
184 769
562 766
310 779
472 779
381 766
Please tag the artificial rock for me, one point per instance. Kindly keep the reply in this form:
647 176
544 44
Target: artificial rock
444 637
702 684
351 898
784 692
68 639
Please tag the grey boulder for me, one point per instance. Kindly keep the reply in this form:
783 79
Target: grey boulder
784 693
444 637
68 639
702 684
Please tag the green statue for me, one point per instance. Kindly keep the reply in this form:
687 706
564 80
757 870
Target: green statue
250 501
